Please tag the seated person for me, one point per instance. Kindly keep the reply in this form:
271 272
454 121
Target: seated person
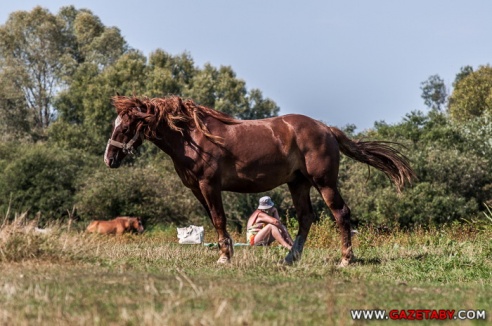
264 226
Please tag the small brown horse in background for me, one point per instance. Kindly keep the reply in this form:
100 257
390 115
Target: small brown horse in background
213 152
118 226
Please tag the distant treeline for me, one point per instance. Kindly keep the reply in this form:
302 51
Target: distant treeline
59 71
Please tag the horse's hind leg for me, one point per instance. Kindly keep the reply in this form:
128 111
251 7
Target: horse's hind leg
341 211
299 190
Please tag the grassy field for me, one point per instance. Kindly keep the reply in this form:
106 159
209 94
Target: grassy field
71 278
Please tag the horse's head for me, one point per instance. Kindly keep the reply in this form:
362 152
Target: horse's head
137 224
127 135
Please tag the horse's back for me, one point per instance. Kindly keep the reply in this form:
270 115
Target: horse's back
290 137
306 127
104 227
262 154
118 225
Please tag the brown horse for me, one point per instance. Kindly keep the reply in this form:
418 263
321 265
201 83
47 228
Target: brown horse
117 226
213 152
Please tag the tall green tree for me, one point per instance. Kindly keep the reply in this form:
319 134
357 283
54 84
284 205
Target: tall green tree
219 89
41 53
222 90
14 116
93 48
169 74
434 92
464 71
32 53
86 113
126 76
472 95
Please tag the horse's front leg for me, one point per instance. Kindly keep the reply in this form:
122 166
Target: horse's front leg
299 190
212 201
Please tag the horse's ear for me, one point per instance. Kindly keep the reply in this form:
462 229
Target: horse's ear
138 101
118 94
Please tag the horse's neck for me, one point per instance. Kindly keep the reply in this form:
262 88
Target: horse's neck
175 145
167 146
192 144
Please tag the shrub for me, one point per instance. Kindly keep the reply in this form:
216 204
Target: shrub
138 191
39 178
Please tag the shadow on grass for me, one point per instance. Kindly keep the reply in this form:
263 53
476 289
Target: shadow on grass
368 261
379 261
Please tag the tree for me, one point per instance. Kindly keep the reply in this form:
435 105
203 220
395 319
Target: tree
472 95
464 71
169 74
40 53
90 40
14 116
126 76
221 90
434 92
32 52
258 107
85 107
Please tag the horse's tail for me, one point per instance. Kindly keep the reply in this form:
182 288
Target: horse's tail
378 154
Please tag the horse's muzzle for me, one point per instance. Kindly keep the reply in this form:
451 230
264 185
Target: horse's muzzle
113 163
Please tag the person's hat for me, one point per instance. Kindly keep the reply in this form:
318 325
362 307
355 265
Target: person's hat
265 203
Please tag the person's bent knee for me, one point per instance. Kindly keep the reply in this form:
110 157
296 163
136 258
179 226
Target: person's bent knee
264 237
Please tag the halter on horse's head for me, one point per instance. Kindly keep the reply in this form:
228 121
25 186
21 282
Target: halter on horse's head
124 139
140 118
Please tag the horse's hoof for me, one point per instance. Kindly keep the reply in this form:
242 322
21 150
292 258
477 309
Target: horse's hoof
226 247
223 260
292 257
344 263
287 262
282 265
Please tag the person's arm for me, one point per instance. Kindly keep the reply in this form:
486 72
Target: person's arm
274 220
275 213
265 218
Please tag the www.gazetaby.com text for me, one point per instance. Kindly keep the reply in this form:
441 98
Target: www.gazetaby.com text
418 314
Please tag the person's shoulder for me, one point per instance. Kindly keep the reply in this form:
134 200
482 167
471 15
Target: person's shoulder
263 214
255 213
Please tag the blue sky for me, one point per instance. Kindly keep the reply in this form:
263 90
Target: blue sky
342 62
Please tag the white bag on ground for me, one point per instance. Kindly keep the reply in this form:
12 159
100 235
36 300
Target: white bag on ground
191 234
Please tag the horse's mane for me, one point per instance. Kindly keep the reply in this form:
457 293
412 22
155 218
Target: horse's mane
177 113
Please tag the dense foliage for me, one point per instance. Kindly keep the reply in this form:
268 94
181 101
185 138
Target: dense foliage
54 130
472 95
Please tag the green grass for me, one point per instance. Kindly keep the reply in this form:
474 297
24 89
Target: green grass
71 278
